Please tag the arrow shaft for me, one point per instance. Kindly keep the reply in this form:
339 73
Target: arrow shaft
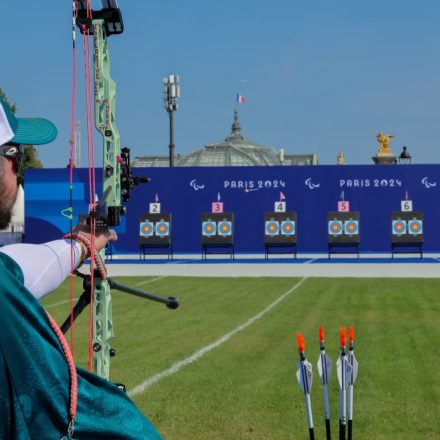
350 402
309 410
343 398
326 403
350 396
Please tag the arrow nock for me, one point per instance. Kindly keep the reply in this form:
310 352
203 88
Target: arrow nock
351 334
343 337
301 343
321 334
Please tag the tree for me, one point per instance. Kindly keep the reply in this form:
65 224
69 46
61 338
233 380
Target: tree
30 154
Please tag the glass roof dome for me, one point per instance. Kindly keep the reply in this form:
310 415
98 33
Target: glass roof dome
235 150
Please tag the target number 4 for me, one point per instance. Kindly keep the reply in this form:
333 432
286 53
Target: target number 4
280 207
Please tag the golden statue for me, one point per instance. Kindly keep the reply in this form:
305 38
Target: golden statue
384 144
340 160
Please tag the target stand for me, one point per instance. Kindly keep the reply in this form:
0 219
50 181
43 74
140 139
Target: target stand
155 235
280 233
217 235
407 235
343 235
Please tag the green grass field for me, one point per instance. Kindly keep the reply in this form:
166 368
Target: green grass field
246 387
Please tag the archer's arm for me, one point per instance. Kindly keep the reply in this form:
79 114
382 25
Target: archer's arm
44 266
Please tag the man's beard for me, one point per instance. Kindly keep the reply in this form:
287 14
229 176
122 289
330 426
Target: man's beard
5 216
7 201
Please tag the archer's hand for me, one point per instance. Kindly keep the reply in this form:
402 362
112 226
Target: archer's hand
101 236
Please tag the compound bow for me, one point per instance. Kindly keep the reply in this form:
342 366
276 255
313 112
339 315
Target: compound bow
118 182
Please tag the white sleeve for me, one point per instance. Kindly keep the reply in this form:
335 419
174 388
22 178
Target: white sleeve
44 266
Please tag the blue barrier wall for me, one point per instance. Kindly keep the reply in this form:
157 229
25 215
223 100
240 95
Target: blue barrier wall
248 192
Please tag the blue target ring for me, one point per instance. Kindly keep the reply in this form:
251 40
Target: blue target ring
335 227
272 227
415 227
399 227
224 228
209 229
162 229
288 227
351 227
146 229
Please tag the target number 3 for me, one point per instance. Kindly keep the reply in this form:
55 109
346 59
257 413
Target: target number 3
217 207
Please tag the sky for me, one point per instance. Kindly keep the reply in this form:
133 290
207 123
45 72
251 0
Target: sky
318 77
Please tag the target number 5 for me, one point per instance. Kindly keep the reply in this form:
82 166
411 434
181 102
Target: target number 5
343 206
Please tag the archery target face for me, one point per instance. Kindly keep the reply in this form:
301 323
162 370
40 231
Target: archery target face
288 227
224 229
335 227
162 229
272 228
209 229
399 227
146 229
351 227
415 227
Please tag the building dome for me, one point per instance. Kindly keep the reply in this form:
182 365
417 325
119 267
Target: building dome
235 150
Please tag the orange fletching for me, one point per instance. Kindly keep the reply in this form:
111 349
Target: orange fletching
301 344
321 334
351 334
343 336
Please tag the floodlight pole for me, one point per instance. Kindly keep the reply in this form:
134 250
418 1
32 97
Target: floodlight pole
171 92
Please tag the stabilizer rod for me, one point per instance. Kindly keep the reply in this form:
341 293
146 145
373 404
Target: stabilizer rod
84 300
170 302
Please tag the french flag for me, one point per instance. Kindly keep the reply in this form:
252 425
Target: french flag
240 99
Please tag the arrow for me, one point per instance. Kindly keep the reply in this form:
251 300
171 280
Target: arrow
351 380
157 198
324 370
218 197
305 378
344 372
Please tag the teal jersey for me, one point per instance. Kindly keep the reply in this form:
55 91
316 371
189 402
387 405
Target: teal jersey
35 380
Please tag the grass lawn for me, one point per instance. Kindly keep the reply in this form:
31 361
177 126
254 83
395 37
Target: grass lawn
246 388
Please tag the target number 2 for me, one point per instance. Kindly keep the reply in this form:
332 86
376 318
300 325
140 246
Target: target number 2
154 208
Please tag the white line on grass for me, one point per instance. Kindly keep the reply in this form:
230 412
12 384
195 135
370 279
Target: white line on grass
59 303
140 388
150 281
